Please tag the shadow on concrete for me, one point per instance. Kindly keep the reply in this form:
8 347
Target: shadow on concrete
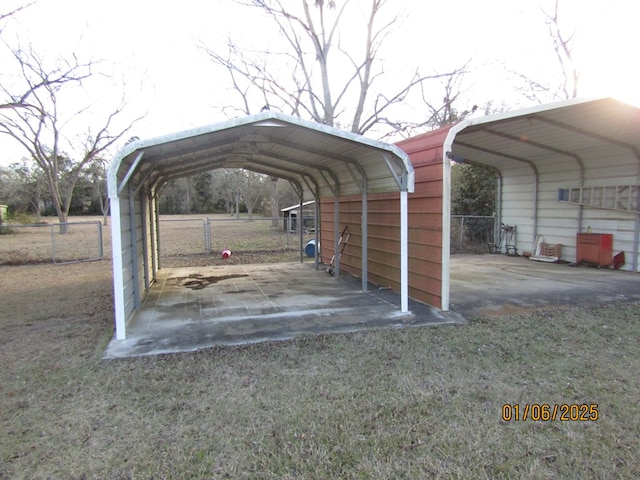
198 307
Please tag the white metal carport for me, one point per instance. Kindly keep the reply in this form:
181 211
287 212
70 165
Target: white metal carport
319 162
588 148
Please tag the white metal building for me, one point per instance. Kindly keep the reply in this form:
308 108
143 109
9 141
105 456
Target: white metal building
563 168
319 162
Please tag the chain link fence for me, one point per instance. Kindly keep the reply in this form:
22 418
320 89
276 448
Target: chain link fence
180 237
248 237
188 236
83 241
184 236
472 233
60 243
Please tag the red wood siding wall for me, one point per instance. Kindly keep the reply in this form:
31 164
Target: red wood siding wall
425 226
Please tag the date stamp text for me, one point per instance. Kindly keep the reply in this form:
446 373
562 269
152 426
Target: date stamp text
544 412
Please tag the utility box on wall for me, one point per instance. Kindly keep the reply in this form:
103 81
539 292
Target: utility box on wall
594 249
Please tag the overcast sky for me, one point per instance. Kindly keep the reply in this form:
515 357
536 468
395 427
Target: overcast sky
153 45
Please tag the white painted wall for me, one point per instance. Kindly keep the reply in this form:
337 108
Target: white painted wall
518 203
558 222
126 253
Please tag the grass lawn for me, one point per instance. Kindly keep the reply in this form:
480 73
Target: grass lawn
413 403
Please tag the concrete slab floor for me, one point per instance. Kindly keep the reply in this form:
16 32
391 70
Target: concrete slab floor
198 307
498 284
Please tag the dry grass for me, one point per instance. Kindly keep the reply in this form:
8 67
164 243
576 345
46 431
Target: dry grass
43 242
414 403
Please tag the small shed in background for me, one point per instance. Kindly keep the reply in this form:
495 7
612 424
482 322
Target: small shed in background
290 216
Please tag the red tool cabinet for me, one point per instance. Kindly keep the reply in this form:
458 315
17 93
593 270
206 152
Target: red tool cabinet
594 249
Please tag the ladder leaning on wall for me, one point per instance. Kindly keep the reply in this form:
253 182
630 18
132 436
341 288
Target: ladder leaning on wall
625 198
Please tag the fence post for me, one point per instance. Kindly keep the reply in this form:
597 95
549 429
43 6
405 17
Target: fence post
478 232
207 236
100 246
53 244
204 232
66 227
288 228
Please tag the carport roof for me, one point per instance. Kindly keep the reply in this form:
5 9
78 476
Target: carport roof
320 160
579 131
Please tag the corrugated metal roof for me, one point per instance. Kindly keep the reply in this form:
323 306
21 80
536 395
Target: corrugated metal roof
318 158
577 131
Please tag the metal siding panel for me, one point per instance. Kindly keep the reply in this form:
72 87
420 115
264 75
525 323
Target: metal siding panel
557 221
428 188
421 284
426 269
609 175
127 266
558 168
425 238
388 246
423 293
517 207
518 176
129 304
426 220
139 242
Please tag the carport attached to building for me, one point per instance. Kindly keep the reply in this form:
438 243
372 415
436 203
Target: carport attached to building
561 168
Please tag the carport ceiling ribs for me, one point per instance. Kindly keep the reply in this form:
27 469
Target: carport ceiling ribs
321 160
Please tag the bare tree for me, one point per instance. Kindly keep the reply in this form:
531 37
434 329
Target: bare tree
38 119
319 76
273 201
235 180
562 46
97 173
9 14
226 184
252 189
565 85
444 112
22 187
447 113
